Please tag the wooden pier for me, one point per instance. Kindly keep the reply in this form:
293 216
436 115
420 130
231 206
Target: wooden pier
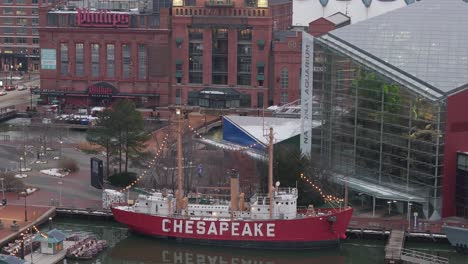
394 246
39 258
396 253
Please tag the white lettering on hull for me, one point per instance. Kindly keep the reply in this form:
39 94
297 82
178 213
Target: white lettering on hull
218 228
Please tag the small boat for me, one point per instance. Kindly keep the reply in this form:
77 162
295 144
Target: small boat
458 237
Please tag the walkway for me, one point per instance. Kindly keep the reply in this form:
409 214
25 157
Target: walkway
394 246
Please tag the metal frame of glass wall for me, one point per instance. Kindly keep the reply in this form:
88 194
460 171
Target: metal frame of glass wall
377 129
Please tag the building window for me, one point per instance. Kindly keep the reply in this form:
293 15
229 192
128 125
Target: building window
35 41
110 60
260 73
34 1
250 3
220 56
126 61
35 21
244 34
63 59
34 11
195 62
95 60
7 1
8 20
22 31
21 40
284 98
8 11
284 77
178 97
9 40
8 30
142 62
35 31
21 21
79 58
21 11
260 100
196 34
21 2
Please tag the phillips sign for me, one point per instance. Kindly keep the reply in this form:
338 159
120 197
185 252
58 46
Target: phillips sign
101 18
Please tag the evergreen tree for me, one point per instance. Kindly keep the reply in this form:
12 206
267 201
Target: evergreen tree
120 130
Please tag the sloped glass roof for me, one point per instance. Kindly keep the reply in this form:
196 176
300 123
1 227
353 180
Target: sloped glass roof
426 41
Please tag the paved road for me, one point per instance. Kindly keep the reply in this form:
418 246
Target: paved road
21 98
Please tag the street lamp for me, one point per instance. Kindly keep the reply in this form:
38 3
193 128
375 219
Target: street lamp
25 194
60 192
61 142
21 161
11 74
390 206
22 245
408 215
3 192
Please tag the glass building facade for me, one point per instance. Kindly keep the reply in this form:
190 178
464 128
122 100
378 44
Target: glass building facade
377 129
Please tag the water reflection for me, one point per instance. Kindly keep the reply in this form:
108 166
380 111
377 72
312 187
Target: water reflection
167 252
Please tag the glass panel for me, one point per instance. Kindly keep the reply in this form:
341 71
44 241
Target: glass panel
79 57
95 60
126 60
110 60
142 57
64 59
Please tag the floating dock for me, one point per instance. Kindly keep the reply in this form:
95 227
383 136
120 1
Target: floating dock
40 258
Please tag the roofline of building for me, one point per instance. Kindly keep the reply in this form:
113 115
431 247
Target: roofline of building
371 61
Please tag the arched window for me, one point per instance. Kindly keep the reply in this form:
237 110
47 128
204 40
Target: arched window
284 78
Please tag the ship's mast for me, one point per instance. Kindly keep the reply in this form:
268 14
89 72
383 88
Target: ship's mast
180 194
270 170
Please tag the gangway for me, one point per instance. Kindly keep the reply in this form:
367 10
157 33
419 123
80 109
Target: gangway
414 256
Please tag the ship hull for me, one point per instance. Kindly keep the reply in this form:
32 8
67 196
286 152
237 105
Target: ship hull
300 233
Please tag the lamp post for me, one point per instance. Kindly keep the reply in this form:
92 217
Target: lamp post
408 215
31 245
30 97
50 223
60 155
390 206
22 245
25 194
21 161
60 192
11 74
3 191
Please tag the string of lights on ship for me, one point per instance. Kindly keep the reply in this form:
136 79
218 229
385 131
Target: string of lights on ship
325 197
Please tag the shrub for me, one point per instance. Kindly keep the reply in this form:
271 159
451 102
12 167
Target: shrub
122 179
89 148
11 183
69 165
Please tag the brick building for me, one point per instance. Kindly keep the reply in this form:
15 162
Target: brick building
93 57
19 41
221 51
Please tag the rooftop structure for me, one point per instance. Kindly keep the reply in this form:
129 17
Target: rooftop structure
358 10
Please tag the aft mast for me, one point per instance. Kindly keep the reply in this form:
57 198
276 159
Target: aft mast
270 170
180 192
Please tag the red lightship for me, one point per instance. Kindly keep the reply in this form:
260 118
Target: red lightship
258 223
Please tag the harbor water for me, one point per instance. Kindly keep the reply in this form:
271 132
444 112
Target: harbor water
128 248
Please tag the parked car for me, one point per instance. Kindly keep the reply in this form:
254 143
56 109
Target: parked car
10 88
22 88
3 93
